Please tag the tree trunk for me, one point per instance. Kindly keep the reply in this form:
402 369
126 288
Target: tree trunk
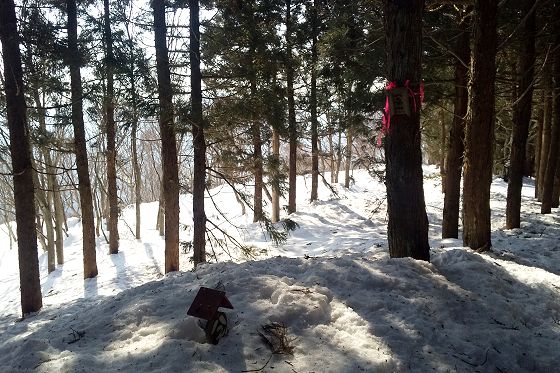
257 171
276 182
547 125
338 155
454 165
538 145
111 135
556 185
548 181
331 154
86 203
442 166
42 200
136 169
170 179
479 136
30 286
348 156
199 144
408 222
292 125
59 219
53 193
160 221
522 117
313 104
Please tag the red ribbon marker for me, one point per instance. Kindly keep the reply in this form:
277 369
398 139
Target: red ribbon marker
386 120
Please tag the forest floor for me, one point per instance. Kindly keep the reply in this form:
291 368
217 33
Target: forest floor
331 290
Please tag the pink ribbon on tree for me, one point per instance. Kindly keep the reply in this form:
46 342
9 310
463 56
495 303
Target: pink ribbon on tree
386 120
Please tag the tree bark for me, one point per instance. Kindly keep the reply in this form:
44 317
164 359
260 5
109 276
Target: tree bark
551 164
257 171
292 125
348 156
41 197
538 145
199 143
454 163
522 116
30 286
84 183
275 182
136 168
547 125
479 136
408 222
170 179
111 135
442 165
338 155
313 106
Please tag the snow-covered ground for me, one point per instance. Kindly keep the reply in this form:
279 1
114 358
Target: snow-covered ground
346 306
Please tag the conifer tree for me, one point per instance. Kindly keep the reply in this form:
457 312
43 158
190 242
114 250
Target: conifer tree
408 223
30 286
170 178
479 136
84 183
199 142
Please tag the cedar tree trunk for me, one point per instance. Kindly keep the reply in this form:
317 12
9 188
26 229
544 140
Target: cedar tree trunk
292 125
84 183
522 116
408 223
479 136
111 134
30 286
548 182
199 144
170 178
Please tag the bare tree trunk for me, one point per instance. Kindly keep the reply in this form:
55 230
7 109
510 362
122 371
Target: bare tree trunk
408 222
53 193
313 104
160 222
479 136
556 186
538 146
454 163
442 166
88 224
59 221
338 155
137 175
199 144
348 156
30 286
111 135
275 182
292 125
547 126
522 116
551 164
134 140
170 179
45 209
331 154
257 171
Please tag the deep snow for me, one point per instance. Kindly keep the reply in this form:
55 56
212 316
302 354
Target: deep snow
346 305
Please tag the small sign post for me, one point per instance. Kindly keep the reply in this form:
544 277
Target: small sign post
205 306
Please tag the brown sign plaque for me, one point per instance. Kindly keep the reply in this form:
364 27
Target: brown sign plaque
206 303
